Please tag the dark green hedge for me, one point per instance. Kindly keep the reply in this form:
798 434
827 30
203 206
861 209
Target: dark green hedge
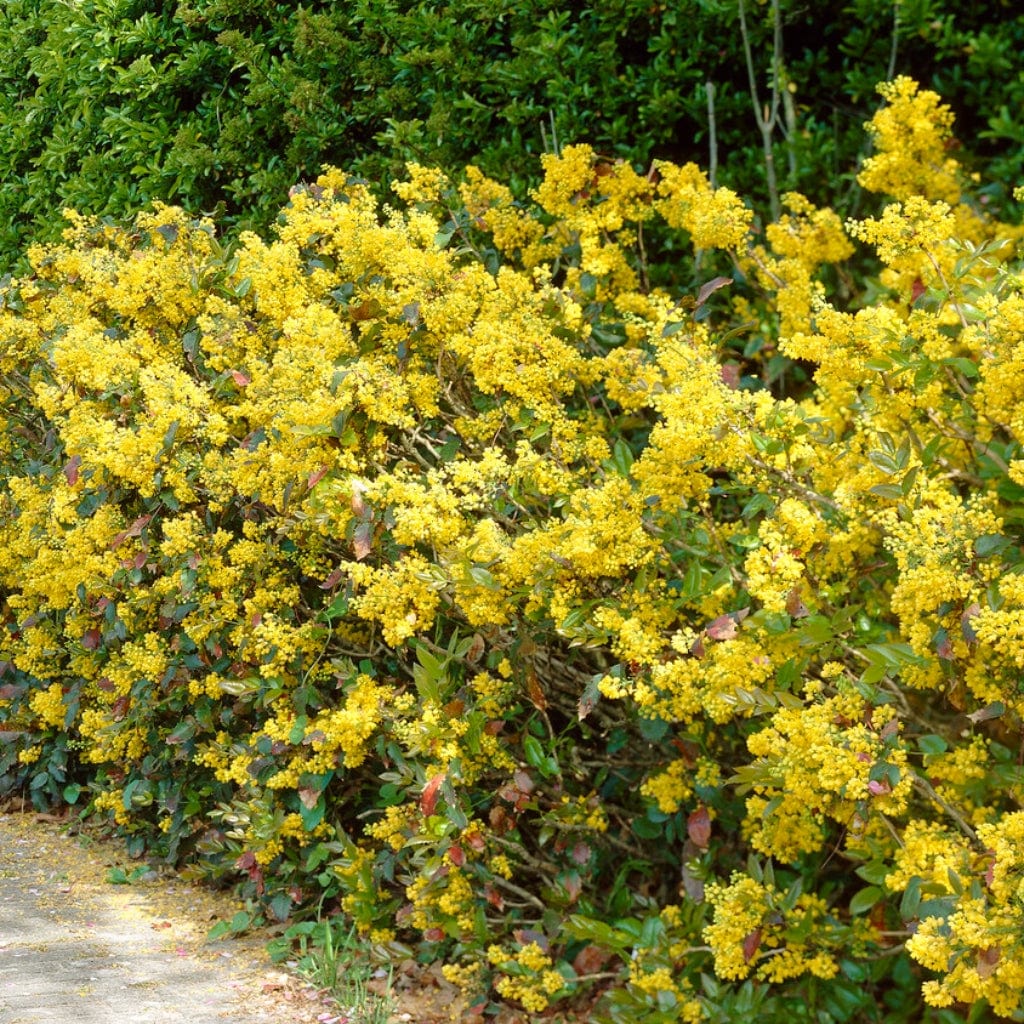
107 104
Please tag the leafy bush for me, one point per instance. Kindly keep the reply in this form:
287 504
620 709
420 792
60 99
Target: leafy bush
225 104
430 565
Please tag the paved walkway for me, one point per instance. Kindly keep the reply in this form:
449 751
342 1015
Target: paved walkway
76 949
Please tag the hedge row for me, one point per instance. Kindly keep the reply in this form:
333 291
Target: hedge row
429 566
224 104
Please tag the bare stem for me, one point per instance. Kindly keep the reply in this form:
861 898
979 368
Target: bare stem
925 787
767 116
891 70
709 88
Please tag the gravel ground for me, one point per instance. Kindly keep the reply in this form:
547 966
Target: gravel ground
76 949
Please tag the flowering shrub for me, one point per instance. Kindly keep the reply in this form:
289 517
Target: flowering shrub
429 562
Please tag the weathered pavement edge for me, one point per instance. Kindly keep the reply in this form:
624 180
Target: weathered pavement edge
75 949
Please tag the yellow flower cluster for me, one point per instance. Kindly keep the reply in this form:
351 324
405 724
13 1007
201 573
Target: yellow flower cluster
48 704
910 134
531 978
827 760
748 933
419 499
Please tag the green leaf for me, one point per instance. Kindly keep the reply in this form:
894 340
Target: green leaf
865 899
590 696
891 491
873 872
884 461
533 751
240 922
932 745
990 544
647 829
911 901
622 457
880 364
964 366
313 816
298 730
653 729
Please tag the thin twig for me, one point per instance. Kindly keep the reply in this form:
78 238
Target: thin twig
891 70
709 88
929 791
767 116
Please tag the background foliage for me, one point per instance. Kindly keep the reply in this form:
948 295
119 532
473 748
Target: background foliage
108 104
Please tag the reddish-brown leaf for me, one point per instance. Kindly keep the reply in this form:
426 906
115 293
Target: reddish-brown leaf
457 855
987 960
332 581
91 640
534 691
795 606
965 622
723 628
524 936
135 530
243 380
475 650
698 827
571 882
710 287
501 821
994 710
359 507
308 797
751 944
730 375
316 476
590 959
890 729
362 541
454 708
428 798
71 469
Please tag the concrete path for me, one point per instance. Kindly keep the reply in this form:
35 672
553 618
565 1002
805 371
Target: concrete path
76 949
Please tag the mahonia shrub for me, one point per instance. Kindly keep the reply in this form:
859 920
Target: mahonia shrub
425 563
